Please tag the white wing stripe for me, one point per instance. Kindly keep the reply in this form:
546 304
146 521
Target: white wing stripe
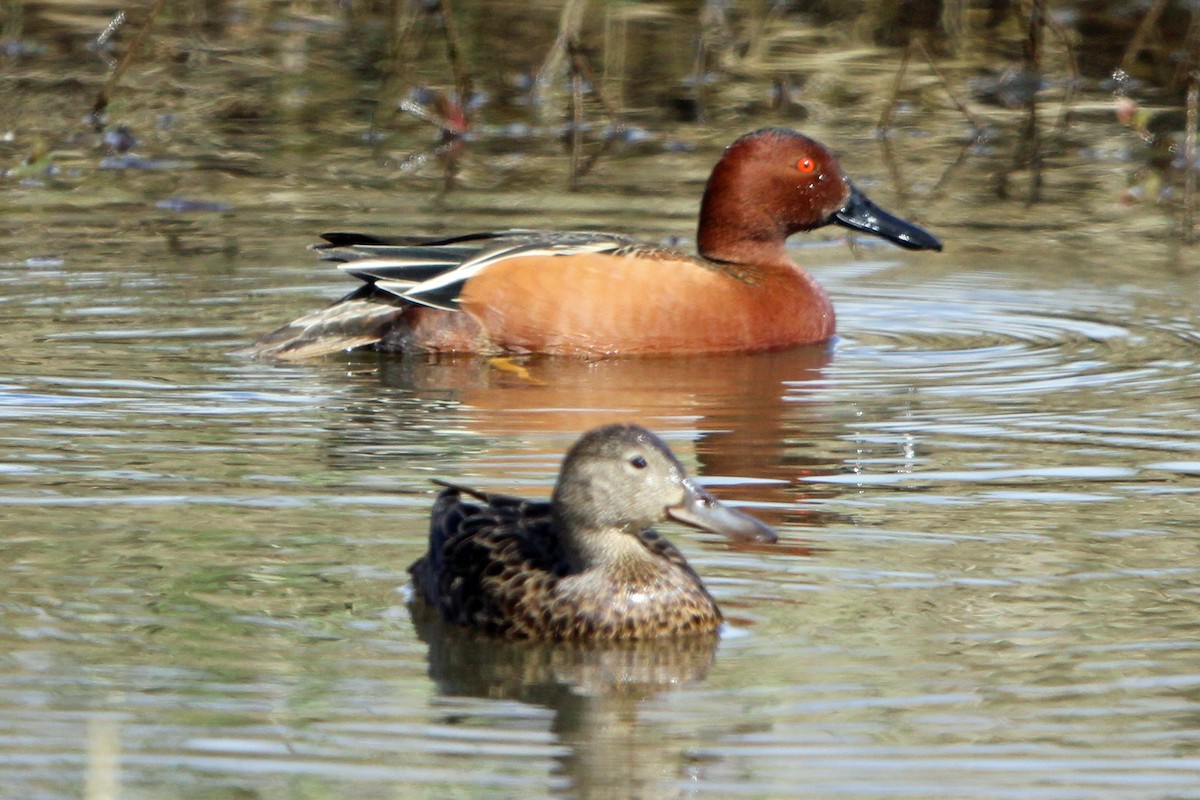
474 266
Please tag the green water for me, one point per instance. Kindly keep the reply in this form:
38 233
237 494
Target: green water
986 584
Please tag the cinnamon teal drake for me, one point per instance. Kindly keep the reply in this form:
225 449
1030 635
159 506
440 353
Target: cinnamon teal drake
585 566
597 294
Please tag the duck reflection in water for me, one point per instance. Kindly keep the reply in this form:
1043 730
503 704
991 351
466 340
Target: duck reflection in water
604 747
585 566
746 420
611 612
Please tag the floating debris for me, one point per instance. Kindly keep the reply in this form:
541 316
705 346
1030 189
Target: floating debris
183 205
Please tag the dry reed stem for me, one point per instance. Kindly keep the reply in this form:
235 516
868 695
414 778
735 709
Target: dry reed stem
139 39
1139 36
570 22
1029 148
976 120
103 778
403 26
458 62
889 111
1189 160
1073 65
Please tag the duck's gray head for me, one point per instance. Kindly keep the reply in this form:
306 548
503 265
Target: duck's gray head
623 477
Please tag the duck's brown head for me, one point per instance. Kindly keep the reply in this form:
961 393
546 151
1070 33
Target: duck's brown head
775 182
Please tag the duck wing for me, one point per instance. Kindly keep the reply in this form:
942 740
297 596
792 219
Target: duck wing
432 272
487 558
401 274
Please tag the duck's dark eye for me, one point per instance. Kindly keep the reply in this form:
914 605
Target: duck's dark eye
638 462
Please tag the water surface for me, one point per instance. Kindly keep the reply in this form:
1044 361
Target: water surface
986 583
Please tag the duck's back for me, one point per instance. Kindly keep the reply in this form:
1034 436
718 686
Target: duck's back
489 562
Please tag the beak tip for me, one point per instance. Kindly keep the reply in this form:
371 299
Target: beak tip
915 238
702 511
752 529
768 537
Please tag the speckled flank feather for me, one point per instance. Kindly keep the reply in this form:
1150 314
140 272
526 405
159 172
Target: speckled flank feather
498 566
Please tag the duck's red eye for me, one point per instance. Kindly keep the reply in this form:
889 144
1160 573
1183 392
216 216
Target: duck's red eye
806 165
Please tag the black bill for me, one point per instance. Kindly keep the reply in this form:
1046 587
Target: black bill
861 214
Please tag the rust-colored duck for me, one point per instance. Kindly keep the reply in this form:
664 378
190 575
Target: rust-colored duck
586 293
585 566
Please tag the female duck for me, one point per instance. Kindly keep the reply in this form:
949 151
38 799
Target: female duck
585 566
590 294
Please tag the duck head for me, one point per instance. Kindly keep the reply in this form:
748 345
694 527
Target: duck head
775 182
619 480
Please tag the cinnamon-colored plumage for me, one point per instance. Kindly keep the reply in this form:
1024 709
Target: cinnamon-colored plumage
585 293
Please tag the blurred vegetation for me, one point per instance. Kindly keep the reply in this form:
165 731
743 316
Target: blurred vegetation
1013 79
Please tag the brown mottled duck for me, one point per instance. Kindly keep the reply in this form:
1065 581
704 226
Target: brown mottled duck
585 566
